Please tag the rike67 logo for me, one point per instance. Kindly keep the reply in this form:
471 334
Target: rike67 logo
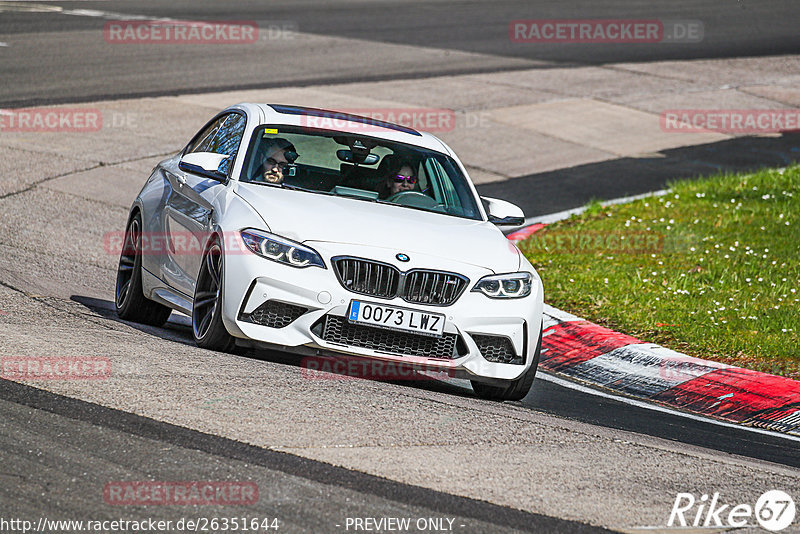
773 511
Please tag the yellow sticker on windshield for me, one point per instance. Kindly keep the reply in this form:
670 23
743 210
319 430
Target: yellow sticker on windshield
270 131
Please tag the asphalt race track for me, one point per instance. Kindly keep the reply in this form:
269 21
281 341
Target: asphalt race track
323 452
472 38
290 487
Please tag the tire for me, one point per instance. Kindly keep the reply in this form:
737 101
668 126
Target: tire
207 328
515 389
129 298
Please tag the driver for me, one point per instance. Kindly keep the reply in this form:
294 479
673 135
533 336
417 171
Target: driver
398 176
278 153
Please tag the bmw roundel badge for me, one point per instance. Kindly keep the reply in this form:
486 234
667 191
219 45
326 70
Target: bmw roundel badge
402 257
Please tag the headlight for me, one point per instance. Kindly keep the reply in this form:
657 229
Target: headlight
505 286
280 249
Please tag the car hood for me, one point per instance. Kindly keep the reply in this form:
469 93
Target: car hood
303 217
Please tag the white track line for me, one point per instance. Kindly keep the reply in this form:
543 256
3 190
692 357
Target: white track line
29 7
547 377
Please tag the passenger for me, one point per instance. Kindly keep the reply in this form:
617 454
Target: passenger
398 176
277 154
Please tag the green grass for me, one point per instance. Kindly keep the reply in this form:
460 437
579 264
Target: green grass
711 269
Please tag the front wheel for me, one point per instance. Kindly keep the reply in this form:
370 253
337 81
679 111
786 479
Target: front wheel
207 328
515 389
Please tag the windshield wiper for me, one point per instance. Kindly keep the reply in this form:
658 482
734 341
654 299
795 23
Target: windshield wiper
284 185
295 187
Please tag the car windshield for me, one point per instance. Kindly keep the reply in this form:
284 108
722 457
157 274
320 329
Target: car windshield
359 167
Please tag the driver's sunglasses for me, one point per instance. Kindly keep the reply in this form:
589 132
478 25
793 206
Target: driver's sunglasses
399 178
272 162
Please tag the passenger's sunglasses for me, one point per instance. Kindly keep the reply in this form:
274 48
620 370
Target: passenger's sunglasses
399 178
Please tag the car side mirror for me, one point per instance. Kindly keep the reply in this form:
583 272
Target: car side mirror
503 213
205 164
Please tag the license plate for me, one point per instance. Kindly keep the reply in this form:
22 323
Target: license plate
395 318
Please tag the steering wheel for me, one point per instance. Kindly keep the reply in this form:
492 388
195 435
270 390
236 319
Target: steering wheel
414 199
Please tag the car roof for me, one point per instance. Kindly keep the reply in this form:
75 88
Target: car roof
291 115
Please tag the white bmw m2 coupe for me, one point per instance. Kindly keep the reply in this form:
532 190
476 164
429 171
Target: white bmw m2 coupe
333 235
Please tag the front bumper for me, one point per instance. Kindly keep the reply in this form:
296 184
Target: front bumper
307 310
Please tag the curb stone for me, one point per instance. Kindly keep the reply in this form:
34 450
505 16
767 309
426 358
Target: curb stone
581 350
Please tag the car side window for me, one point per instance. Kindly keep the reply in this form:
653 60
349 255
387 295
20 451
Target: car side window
221 137
435 172
203 138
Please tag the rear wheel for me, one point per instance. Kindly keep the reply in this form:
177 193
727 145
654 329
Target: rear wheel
515 389
207 327
130 301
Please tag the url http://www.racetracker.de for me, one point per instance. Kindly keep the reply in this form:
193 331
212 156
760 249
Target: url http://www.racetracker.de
194 524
